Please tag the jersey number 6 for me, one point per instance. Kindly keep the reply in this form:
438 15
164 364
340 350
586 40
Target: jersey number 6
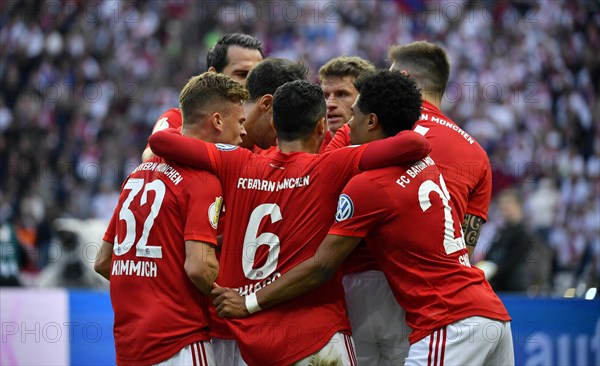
252 241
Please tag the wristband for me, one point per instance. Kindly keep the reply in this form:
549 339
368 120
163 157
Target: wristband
252 303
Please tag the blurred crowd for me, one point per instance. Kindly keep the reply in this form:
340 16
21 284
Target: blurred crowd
84 81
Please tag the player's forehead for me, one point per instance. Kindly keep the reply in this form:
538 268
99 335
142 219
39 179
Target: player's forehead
242 58
335 83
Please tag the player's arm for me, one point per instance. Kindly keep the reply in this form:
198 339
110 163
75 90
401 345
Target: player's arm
301 279
103 260
147 154
405 147
171 145
471 230
340 139
201 264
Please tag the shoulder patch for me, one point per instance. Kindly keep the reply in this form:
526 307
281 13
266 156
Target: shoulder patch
214 211
162 124
345 208
226 147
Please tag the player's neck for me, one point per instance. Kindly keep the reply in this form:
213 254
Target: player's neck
433 100
310 146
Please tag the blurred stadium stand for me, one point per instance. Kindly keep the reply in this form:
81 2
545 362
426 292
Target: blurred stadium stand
83 82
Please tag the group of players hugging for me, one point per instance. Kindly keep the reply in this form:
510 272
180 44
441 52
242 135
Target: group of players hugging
274 221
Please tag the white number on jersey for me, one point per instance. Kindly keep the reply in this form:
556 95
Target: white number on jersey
142 250
451 244
252 241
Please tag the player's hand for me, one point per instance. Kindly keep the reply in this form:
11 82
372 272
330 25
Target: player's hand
229 303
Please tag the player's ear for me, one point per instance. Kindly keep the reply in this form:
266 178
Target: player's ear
373 121
322 126
212 69
266 102
216 121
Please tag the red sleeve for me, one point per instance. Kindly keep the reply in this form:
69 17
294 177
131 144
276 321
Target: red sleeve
340 139
169 119
171 145
359 210
201 201
109 235
405 147
479 199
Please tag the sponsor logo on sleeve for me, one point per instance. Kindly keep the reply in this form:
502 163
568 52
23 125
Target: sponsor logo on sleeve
162 124
214 211
345 208
226 147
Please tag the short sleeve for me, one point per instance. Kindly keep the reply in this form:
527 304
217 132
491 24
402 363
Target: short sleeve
359 210
479 198
169 119
109 235
202 201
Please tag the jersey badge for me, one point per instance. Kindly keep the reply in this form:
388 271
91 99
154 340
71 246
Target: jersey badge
345 208
226 147
214 211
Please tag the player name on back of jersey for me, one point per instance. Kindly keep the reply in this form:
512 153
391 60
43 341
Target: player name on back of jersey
164 168
414 170
272 186
132 268
443 122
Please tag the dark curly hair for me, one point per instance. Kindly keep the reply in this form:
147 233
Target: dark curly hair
217 55
392 96
297 108
272 73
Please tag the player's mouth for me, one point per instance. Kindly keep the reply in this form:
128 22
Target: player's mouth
335 119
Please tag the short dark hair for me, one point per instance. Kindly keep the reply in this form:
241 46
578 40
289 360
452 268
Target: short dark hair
392 96
267 76
203 90
426 62
297 108
344 66
217 55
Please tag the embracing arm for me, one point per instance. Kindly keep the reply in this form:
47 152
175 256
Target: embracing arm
301 279
406 146
171 145
471 230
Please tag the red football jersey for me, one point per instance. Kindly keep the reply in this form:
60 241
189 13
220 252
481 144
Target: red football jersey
413 229
280 207
158 310
462 161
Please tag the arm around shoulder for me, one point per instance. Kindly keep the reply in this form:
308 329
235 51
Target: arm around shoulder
406 146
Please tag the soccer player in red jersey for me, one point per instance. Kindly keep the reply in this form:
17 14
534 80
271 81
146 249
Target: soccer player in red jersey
408 220
282 206
233 55
463 162
158 251
262 82
374 325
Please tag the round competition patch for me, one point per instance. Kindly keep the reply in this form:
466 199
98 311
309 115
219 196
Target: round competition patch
345 208
214 211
